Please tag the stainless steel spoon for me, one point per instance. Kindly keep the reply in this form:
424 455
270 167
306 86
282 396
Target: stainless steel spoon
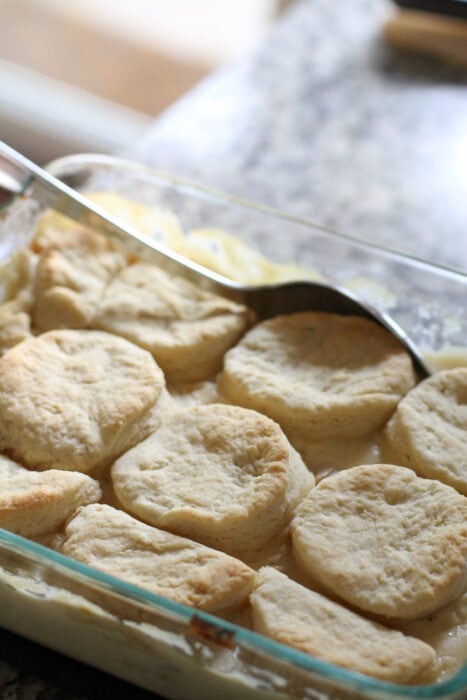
20 175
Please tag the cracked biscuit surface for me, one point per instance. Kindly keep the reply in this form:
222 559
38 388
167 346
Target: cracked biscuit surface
428 431
171 566
223 475
302 618
384 540
75 400
319 374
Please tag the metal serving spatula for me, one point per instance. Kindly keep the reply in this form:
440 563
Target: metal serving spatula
20 175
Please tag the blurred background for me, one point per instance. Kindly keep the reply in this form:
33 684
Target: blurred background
81 75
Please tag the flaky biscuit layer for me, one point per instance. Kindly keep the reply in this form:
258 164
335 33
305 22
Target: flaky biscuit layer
76 400
295 615
187 329
428 431
172 566
37 503
319 374
384 540
223 475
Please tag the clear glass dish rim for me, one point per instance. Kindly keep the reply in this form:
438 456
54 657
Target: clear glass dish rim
242 636
89 160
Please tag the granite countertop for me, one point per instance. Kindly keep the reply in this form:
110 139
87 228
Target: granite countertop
323 121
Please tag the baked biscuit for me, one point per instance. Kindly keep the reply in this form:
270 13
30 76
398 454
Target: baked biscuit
159 561
55 230
319 374
384 540
223 475
15 326
17 281
71 275
187 329
428 431
75 400
36 503
16 290
294 615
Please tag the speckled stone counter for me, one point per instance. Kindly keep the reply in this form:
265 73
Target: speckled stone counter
32 672
327 122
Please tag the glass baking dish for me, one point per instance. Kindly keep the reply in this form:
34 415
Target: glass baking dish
151 641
